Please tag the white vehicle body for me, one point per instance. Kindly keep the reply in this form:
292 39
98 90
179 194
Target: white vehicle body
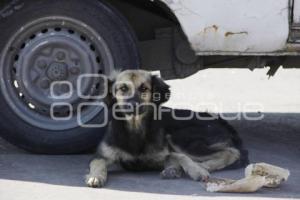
237 27
297 11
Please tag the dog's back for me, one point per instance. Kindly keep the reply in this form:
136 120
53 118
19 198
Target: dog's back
202 134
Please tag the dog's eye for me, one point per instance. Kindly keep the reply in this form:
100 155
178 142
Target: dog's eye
124 88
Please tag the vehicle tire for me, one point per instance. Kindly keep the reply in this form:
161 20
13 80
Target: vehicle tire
53 41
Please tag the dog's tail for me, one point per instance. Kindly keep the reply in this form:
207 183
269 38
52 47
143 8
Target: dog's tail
243 160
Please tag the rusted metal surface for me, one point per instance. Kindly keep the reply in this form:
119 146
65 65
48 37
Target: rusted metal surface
227 34
235 27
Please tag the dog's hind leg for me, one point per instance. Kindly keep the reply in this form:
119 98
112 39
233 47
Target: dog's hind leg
191 168
221 159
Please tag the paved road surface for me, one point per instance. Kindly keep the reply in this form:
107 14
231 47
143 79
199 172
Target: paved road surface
275 140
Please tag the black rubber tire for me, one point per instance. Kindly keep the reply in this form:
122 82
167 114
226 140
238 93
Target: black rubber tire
112 27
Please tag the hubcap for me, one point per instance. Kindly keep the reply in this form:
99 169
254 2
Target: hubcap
44 52
57 71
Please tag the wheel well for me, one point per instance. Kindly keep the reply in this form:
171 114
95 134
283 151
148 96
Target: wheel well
160 36
155 14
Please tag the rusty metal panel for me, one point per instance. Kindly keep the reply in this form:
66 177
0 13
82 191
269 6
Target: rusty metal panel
234 26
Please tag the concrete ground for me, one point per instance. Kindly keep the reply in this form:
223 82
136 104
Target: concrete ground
274 139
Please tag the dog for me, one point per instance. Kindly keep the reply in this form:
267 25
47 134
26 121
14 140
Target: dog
142 135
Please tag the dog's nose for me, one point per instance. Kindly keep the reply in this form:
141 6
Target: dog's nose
134 101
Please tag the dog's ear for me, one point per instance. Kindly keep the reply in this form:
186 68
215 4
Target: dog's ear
109 99
160 90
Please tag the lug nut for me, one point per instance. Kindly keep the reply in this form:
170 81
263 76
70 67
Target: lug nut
75 70
60 55
45 84
42 64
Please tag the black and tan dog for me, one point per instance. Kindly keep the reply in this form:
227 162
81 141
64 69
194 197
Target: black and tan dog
142 135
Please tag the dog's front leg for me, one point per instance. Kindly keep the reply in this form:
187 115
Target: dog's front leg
97 176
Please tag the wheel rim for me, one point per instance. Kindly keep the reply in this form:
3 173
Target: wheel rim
48 50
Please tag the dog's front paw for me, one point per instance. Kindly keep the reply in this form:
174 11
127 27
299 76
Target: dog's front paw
171 173
95 182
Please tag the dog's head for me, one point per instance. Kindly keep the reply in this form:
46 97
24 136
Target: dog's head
137 91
